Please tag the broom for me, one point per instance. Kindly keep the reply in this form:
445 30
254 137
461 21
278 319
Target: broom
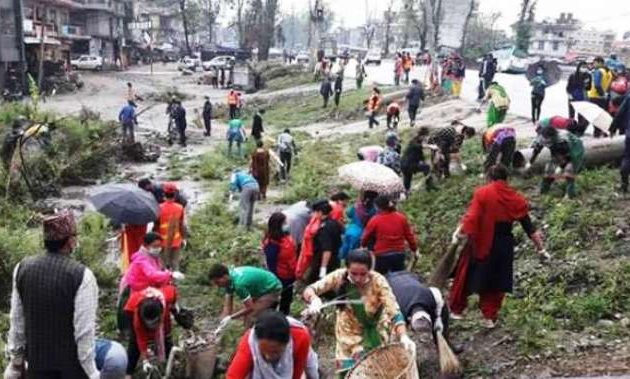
447 263
449 364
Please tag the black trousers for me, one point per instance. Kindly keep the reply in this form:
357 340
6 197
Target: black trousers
285 158
390 262
233 111
208 124
133 353
537 101
372 120
286 296
77 373
337 98
413 111
181 129
505 149
325 100
409 171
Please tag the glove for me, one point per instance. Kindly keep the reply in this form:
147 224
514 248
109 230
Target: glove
322 272
224 322
147 366
528 166
13 371
537 239
178 275
544 255
184 244
408 344
314 307
456 236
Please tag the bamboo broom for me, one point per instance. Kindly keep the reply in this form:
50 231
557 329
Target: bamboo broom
446 265
449 364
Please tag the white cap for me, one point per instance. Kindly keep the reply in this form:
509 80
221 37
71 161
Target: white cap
417 319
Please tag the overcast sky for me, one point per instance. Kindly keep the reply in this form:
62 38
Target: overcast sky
599 14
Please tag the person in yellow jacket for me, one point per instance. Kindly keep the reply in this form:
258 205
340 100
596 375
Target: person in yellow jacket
600 83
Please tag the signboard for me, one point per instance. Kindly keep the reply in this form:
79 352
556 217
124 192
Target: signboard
140 25
28 26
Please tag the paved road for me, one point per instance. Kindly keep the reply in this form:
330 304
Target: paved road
517 87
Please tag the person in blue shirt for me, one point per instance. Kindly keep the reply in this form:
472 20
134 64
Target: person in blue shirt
128 121
235 133
539 84
247 185
358 216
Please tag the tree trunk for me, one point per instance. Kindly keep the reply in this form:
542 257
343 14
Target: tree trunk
182 8
471 10
267 23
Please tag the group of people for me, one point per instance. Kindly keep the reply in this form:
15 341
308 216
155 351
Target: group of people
453 74
403 64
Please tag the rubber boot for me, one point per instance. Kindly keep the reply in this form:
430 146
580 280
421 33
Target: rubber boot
545 185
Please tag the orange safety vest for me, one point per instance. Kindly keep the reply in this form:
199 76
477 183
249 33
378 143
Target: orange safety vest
374 103
232 98
407 63
171 213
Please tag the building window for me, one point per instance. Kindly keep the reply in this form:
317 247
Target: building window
541 45
556 45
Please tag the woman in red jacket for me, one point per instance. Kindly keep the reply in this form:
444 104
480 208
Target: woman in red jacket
386 234
281 257
276 347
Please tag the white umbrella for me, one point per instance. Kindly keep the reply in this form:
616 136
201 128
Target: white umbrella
597 116
370 176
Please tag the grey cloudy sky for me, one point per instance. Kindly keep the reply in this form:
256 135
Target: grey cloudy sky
599 14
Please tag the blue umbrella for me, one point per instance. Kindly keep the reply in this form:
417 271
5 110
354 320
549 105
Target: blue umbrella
125 204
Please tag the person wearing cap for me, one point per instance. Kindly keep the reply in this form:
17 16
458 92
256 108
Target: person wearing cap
171 227
258 289
322 241
276 347
150 312
339 202
371 317
247 186
53 304
157 190
423 307
390 233
207 116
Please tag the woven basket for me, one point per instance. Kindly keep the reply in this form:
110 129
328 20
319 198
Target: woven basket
386 362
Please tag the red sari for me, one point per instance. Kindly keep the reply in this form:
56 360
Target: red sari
487 224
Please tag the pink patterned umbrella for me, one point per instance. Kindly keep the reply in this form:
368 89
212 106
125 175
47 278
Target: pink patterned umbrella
370 176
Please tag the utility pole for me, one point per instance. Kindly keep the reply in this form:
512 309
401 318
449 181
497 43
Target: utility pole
42 49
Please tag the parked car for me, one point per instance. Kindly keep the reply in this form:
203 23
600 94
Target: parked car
373 56
188 63
303 58
87 62
511 60
222 61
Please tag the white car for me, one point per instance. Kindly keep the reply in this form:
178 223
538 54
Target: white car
222 61
302 58
188 63
87 62
373 56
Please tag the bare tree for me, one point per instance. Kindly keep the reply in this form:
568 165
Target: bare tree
524 26
471 10
211 10
388 19
435 14
239 20
182 10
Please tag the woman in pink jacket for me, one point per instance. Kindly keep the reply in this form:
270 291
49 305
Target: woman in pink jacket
145 271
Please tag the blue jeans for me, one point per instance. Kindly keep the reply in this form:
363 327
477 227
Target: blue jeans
111 359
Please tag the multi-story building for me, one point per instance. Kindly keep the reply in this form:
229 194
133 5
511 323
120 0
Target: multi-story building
166 25
591 42
11 44
73 27
552 38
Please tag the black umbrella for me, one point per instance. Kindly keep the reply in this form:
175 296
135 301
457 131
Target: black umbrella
126 204
551 71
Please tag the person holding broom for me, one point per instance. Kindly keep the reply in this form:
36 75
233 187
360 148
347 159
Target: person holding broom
369 318
485 266
425 311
